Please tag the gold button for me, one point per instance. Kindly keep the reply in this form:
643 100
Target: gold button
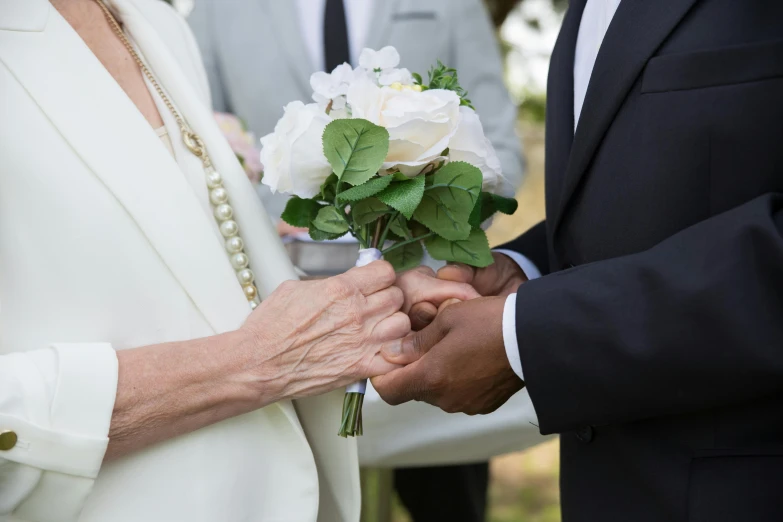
7 440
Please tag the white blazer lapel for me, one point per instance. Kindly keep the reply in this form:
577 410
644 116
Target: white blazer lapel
264 248
24 15
101 123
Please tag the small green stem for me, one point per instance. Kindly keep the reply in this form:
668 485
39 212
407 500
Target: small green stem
377 235
337 192
448 186
408 242
387 228
359 233
406 234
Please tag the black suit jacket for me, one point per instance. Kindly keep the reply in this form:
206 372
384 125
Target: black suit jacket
655 343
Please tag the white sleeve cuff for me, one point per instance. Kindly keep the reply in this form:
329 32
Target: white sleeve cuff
510 310
88 378
59 402
66 424
510 335
61 417
528 267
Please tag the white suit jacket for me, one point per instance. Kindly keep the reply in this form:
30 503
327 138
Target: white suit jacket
104 246
257 61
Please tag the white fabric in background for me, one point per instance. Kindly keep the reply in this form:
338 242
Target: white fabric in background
417 434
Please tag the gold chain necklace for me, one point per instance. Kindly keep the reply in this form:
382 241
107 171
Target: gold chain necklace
218 196
191 139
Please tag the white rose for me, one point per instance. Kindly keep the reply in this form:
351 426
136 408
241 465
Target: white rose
469 144
292 155
420 124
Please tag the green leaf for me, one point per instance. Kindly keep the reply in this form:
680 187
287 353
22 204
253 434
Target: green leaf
417 229
320 235
394 238
399 227
368 210
331 220
504 205
442 77
472 251
365 190
300 212
329 188
355 149
405 257
476 215
450 199
488 204
404 196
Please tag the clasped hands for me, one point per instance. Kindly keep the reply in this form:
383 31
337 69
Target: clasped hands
418 335
455 358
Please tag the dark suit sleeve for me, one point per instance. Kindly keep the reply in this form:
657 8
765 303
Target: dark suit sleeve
533 245
694 323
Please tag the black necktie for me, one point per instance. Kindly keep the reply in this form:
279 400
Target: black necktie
335 35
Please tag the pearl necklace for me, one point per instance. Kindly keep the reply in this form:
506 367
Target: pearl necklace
218 196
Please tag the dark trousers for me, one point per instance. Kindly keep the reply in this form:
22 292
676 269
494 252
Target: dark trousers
444 493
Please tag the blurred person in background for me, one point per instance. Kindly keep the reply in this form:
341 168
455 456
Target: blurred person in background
259 55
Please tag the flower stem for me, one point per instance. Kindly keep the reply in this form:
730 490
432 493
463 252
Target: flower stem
408 242
386 229
377 236
360 234
351 425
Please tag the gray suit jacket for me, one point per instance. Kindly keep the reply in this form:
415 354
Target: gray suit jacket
257 62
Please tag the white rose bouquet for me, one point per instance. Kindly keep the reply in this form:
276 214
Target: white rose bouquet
399 164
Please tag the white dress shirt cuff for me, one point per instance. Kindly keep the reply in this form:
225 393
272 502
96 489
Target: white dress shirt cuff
510 311
510 335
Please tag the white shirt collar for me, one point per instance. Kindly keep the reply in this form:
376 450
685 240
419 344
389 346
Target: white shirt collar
595 22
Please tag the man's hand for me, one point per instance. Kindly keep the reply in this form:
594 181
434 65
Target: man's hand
424 293
424 298
501 278
457 363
